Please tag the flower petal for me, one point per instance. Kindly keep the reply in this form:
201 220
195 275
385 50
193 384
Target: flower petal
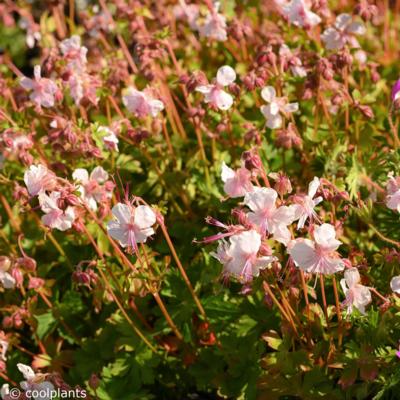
226 75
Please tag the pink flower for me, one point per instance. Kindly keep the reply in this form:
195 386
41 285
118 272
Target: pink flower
54 217
357 295
74 53
266 216
318 256
335 38
141 103
92 188
39 179
110 139
132 225
35 382
236 183
304 207
43 89
214 26
393 193
240 256
395 284
276 106
298 13
214 94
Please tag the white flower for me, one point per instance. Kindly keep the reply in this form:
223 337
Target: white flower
214 26
304 207
336 37
110 139
298 13
276 105
141 103
318 256
267 216
91 188
38 179
356 294
55 217
132 225
214 94
240 258
35 383
236 183
395 284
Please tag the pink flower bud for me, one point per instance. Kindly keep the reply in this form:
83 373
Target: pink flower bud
28 263
252 160
94 381
282 183
35 283
7 322
16 273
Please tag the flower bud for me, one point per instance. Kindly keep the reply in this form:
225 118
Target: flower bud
282 183
94 381
35 283
28 263
252 160
16 273
7 322
366 111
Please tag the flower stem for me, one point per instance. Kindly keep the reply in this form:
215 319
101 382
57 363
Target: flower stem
338 311
182 271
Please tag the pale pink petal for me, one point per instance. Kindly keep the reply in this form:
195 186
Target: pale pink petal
145 217
291 107
99 175
313 187
122 212
395 284
223 100
261 198
352 277
268 94
304 254
325 237
80 175
226 75
342 21
274 122
205 89
356 28
226 172
26 371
